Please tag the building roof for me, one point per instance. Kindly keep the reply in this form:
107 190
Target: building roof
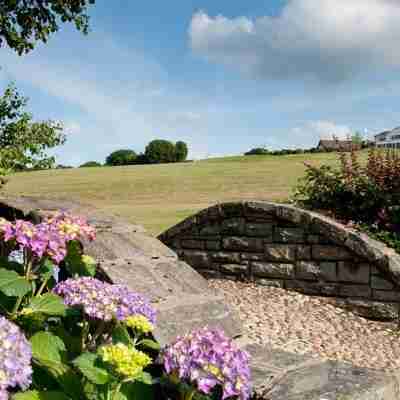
385 133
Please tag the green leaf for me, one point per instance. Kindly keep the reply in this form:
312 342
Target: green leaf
151 344
77 263
121 335
35 395
49 304
47 347
12 284
136 391
11 265
46 269
89 365
145 378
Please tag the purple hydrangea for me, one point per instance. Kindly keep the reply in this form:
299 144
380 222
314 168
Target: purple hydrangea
48 238
15 358
208 358
104 301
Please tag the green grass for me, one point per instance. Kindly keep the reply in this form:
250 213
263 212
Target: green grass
159 196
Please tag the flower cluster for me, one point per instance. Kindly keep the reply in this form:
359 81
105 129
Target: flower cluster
125 361
15 358
104 301
208 358
50 237
139 323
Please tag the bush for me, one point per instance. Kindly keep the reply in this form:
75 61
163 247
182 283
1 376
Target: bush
68 335
90 164
181 151
257 151
121 157
367 194
160 151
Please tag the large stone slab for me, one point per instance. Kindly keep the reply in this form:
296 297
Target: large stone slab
279 375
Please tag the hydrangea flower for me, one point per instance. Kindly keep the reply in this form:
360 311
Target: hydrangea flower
104 301
207 358
50 237
125 361
139 323
15 358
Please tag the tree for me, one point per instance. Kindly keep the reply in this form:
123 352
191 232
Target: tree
257 151
121 157
357 138
181 151
90 164
160 151
24 22
23 143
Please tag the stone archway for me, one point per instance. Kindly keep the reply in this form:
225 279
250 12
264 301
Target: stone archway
284 246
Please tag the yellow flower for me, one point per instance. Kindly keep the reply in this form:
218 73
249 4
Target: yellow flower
125 361
215 371
88 260
139 323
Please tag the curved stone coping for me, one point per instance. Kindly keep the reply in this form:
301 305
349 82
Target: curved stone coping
386 259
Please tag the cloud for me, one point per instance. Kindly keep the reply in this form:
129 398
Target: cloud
327 40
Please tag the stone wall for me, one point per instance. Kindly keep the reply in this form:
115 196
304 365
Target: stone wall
282 246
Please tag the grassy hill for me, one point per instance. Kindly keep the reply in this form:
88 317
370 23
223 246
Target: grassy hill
158 196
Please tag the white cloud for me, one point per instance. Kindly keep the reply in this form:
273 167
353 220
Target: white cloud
330 40
72 128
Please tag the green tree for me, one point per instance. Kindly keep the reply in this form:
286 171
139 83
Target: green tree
90 164
160 151
24 22
23 143
181 151
121 157
357 138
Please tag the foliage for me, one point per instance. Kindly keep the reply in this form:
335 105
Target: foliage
23 143
90 164
257 151
181 151
24 22
160 151
366 195
357 138
121 157
82 338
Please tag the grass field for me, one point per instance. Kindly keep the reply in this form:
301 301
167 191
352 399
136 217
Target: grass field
159 196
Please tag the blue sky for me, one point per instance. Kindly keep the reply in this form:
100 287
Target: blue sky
223 76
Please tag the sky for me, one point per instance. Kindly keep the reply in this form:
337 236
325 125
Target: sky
223 76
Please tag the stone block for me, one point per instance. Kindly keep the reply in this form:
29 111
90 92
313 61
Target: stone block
235 269
192 244
289 235
280 252
347 290
242 244
311 270
272 270
252 256
330 253
378 282
213 245
329 289
386 295
226 257
259 209
313 239
259 229
233 226
294 215
232 209
313 288
351 272
329 228
328 271
270 282
210 273
210 230
303 252
197 259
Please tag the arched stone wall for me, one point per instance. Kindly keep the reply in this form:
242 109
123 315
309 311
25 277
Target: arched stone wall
284 246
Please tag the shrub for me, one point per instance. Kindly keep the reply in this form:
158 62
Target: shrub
367 194
90 164
121 157
82 338
181 151
257 151
160 151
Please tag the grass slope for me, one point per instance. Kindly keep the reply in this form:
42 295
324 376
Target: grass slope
159 196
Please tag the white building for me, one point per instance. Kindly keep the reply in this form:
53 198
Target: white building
388 139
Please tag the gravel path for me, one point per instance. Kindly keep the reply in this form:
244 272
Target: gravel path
305 324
